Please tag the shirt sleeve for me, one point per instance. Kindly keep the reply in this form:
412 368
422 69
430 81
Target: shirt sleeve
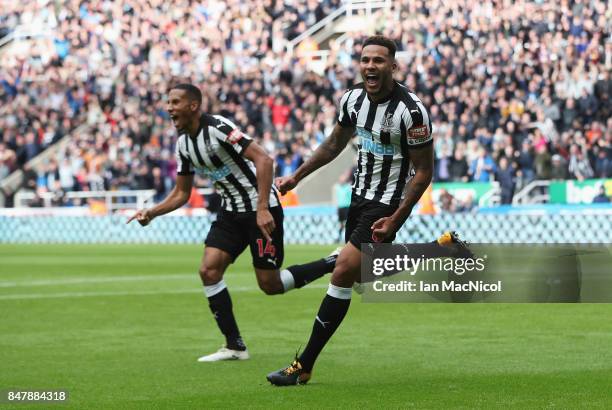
344 119
228 132
416 122
184 166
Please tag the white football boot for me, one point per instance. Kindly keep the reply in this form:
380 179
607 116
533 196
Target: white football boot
225 354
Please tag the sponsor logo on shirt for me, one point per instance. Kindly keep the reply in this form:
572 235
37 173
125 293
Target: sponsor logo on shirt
418 135
217 173
368 144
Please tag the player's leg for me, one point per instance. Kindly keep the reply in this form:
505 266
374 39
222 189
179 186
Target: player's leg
275 281
268 256
332 311
298 276
336 302
223 245
214 263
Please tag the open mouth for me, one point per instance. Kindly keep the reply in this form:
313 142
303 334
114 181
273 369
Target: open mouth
174 119
372 80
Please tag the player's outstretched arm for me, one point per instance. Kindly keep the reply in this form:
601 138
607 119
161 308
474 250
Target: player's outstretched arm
264 166
423 163
176 198
324 154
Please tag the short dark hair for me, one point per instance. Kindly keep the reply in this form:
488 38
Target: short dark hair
379 40
191 90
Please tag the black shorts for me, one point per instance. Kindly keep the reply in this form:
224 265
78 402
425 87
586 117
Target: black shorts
232 232
362 214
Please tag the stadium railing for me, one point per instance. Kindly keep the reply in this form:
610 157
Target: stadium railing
12 183
529 195
324 28
491 197
113 200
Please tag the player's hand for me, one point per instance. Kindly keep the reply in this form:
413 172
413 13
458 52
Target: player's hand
266 224
143 217
383 229
285 184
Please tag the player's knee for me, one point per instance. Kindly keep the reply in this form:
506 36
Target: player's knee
270 286
344 274
210 275
341 269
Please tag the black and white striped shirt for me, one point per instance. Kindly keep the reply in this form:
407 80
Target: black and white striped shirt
216 152
387 131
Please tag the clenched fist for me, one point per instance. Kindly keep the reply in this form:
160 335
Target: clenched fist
285 184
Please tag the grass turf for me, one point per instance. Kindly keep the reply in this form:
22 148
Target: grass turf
121 327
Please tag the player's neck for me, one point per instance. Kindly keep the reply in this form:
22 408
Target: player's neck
384 94
193 127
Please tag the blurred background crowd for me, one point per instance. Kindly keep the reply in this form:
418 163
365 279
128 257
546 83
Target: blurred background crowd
516 90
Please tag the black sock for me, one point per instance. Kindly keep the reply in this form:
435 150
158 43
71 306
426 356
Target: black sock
308 272
331 313
221 308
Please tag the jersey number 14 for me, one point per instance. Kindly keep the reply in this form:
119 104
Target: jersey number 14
269 249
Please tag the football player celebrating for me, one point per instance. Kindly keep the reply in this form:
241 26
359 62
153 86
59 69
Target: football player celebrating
252 215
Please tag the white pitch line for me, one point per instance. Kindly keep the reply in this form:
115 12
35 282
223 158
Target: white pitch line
23 296
93 294
98 279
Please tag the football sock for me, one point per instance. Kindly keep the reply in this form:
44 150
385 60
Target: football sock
306 273
331 313
220 305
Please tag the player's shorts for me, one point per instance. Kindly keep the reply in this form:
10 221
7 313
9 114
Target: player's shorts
232 232
362 214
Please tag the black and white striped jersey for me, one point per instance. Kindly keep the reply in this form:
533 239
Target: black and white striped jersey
216 153
387 131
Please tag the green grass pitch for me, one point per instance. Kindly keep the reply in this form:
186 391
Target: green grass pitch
121 327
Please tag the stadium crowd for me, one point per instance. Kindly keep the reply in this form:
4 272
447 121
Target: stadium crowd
516 90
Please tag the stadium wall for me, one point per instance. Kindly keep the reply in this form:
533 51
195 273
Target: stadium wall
319 225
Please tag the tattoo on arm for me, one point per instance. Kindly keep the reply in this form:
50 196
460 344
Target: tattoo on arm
422 161
327 151
414 191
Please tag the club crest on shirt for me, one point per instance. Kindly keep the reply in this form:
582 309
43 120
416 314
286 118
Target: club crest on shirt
234 136
387 123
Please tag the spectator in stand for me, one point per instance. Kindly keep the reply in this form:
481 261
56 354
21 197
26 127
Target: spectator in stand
603 164
459 167
443 152
543 162
483 167
579 166
601 197
487 71
506 177
525 159
559 168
